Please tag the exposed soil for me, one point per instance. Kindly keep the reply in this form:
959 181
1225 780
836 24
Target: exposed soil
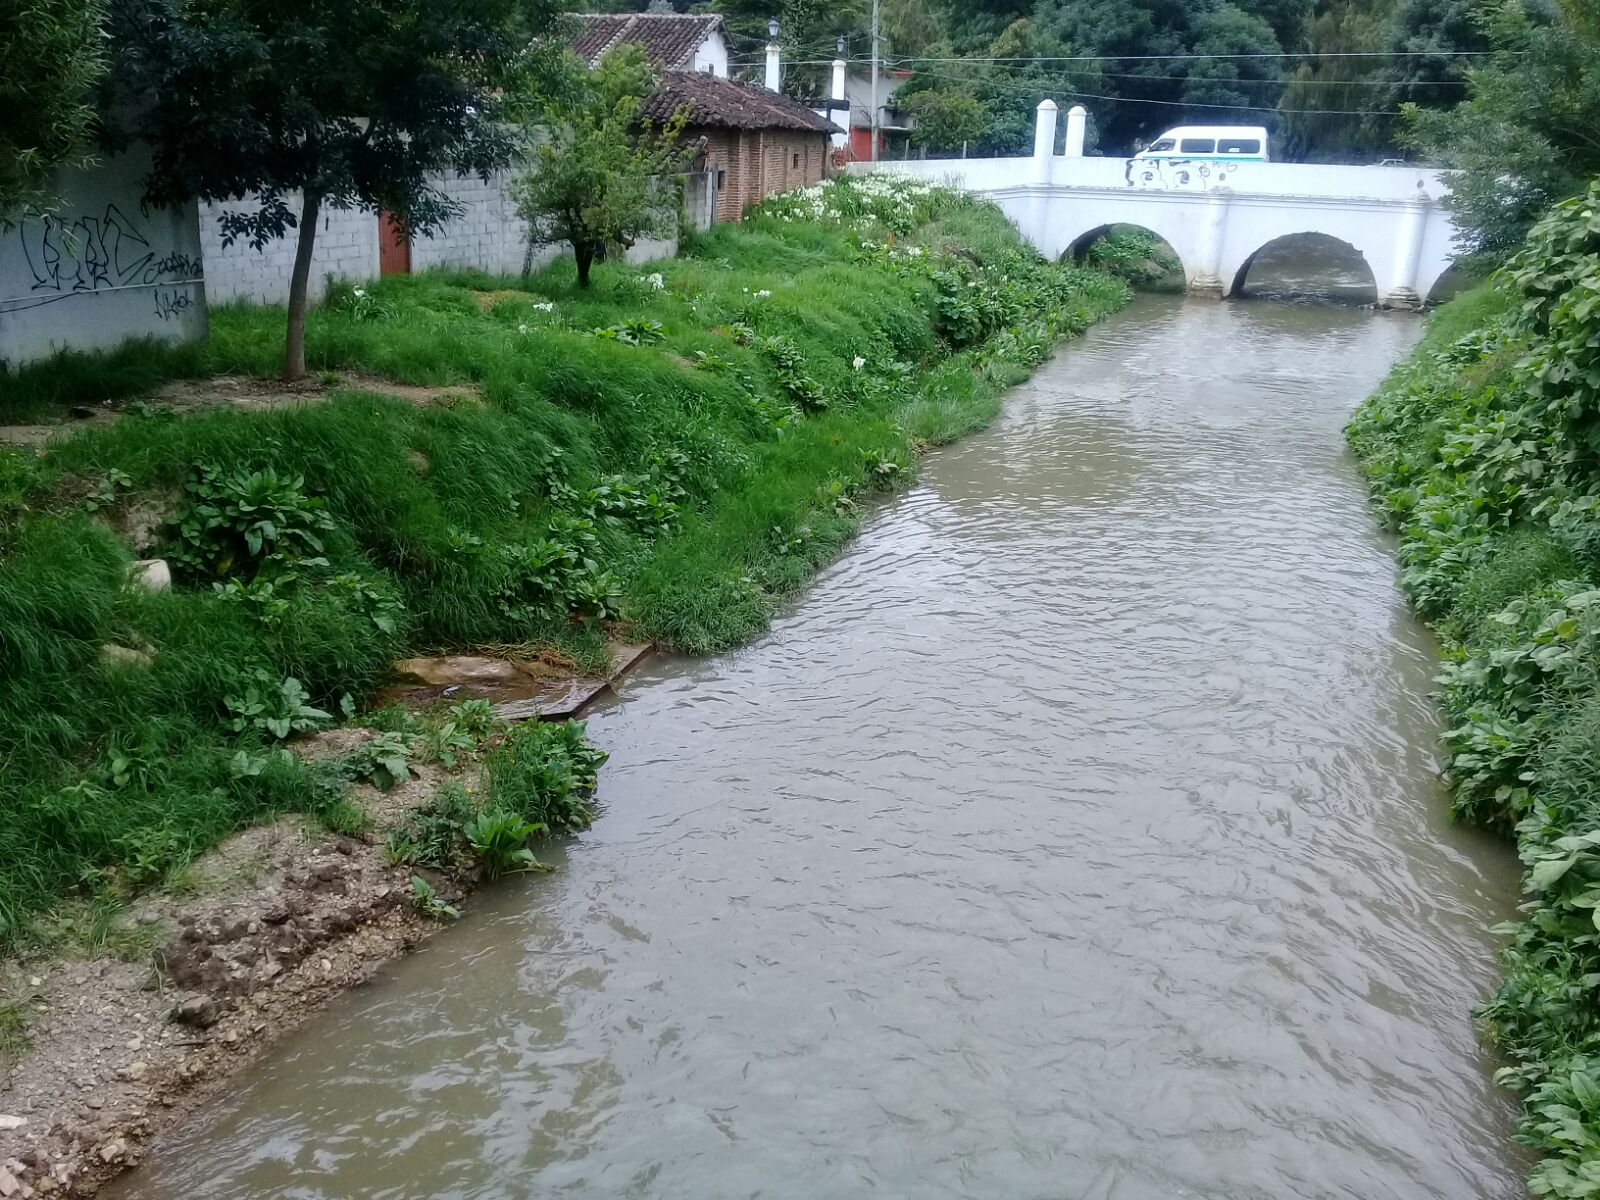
264 929
239 391
280 918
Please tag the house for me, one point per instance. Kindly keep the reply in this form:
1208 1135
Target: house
671 41
750 141
894 126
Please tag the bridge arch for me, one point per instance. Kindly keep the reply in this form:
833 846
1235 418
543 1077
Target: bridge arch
1078 247
1446 285
1337 267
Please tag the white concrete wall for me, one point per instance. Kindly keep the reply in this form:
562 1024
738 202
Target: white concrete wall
712 55
100 269
346 248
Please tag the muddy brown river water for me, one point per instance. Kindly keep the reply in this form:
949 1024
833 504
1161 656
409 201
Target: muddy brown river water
1076 836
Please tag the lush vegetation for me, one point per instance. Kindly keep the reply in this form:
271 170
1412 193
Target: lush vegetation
54 56
679 446
1484 451
595 179
359 103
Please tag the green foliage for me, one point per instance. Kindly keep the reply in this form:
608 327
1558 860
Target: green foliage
945 121
357 104
546 773
54 55
1134 254
593 181
274 707
1524 136
246 522
425 899
384 762
582 479
1482 451
499 839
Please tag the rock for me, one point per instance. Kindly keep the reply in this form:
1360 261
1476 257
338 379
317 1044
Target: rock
458 669
113 1150
202 1012
9 1122
138 1070
8 1183
152 573
113 655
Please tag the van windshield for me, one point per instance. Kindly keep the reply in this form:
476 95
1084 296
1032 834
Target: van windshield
1162 144
1197 146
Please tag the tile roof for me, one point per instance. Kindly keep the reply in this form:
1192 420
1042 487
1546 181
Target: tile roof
728 103
669 39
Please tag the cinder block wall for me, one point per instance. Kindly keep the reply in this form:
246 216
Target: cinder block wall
346 248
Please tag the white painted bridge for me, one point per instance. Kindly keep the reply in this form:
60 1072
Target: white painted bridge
1217 216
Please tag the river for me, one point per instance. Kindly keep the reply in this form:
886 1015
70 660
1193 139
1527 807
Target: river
1077 835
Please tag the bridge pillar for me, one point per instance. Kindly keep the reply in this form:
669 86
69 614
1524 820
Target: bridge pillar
1205 273
1400 289
1044 140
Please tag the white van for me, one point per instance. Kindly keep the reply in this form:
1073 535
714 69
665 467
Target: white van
1220 143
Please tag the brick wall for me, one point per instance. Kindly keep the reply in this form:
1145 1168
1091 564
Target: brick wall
757 162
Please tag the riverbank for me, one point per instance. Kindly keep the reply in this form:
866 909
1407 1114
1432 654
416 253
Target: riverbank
1481 452
511 464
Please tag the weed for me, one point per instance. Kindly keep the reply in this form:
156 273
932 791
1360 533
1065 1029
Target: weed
425 899
277 707
499 839
384 762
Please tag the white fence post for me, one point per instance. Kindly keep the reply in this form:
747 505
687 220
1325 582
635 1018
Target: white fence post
1077 128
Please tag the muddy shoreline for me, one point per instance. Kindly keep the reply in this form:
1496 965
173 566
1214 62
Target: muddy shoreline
186 987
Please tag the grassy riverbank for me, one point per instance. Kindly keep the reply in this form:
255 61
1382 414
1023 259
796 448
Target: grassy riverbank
678 448
1484 452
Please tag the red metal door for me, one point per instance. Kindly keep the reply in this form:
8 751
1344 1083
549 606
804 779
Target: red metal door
394 248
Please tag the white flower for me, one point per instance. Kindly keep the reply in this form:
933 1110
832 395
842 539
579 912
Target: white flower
359 293
545 306
762 294
655 281
858 362
523 328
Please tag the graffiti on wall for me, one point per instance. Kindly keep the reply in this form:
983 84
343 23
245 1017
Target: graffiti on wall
1178 174
95 253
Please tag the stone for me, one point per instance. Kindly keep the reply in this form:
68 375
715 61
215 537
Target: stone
138 1070
113 655
8 1183
152 573
113 1150
458 669
202 1012
9 1122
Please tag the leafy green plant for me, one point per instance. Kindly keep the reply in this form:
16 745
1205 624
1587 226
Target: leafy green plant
636 331
247 522
277 707
384 761
499 839
107 490
426 900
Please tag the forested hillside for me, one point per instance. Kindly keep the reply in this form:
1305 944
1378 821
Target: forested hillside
1143 65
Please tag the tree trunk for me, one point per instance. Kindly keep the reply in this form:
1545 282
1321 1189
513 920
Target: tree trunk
584 253
294 344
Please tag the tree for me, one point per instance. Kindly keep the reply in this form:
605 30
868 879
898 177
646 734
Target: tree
52 51
946 121
596 178
1528 134
350 103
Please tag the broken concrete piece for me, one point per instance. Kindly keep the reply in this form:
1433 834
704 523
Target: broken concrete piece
153 573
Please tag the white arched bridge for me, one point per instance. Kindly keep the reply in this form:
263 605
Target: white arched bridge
1217 216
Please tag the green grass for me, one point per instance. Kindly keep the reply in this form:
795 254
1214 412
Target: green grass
688 485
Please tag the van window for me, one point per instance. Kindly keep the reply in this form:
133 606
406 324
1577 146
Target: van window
1239 146
1162 144
1197 146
